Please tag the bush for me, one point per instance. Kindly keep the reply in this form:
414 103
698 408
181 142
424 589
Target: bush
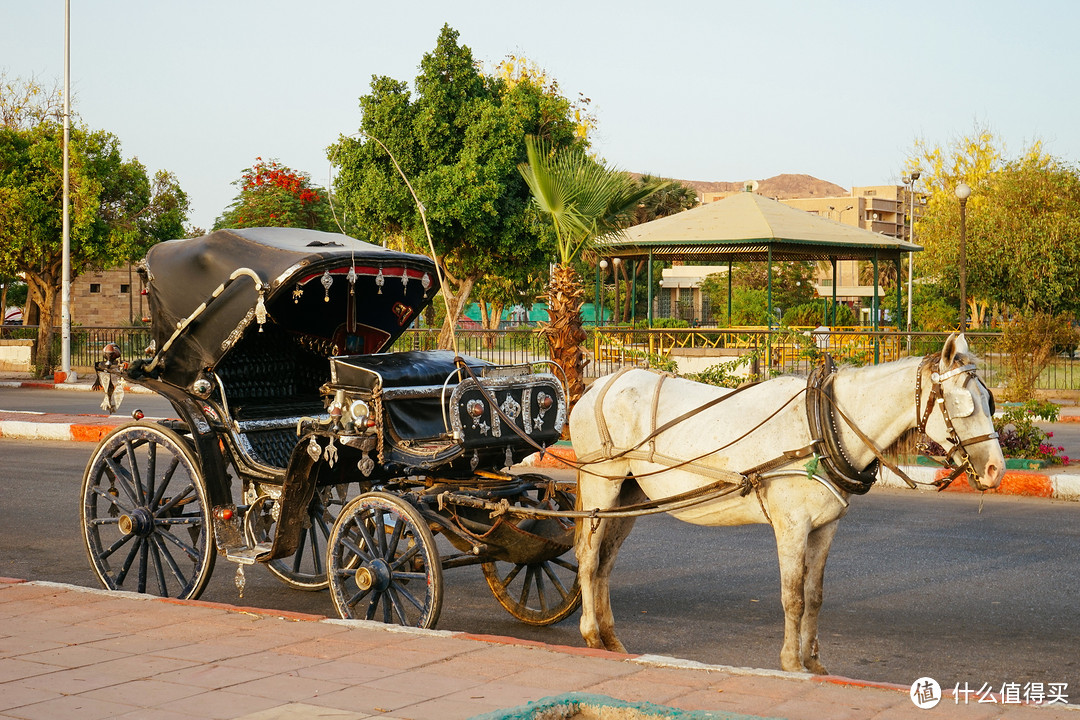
1029 343
1021 438
818 313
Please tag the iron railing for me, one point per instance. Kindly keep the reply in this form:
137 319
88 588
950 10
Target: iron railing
775 351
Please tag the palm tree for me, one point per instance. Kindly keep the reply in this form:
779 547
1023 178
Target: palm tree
585 201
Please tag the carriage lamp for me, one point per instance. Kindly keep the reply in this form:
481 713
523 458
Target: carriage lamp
360 414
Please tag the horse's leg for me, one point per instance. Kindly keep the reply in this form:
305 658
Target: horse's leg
596 546
817 552
616 532
791 543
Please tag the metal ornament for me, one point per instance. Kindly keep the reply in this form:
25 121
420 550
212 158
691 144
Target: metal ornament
297 293
474 461
327 281
508 461
313 449
511 407
351 277
425 282
366 466
240 580
331 453
380 281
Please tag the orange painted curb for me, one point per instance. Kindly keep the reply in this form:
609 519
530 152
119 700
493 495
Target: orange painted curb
90 433
10 581
1014 483
559 456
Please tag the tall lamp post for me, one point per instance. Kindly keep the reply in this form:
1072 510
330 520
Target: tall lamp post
600 292
963 192
909 180
840 212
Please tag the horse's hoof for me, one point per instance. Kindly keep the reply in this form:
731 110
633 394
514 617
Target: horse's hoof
812 665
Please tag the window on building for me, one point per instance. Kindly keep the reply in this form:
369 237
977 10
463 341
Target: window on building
95 288
125 289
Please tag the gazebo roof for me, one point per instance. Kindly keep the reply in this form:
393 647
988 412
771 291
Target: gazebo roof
745 226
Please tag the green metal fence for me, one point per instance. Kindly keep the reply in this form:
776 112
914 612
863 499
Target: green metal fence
777 351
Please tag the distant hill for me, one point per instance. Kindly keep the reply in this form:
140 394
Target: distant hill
783 187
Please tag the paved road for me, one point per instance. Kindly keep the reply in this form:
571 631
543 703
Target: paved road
916 585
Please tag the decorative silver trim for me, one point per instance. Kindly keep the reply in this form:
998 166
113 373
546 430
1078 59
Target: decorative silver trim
494 386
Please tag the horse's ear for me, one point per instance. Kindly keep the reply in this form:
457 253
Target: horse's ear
955 346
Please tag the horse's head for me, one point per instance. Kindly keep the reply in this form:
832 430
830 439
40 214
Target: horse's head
958 414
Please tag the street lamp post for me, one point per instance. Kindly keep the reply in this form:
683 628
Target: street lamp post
963 192
909 180
840 212
600 293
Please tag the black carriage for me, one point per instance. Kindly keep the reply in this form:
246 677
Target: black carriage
304 445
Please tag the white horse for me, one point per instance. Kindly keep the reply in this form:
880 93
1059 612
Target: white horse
635 446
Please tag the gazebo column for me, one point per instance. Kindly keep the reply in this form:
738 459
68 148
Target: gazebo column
633 292
768 340
729 293
596 297
649 290
833 312
899 293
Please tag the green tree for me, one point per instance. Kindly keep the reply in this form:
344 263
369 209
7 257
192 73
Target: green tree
585 201
1022 242
117 210
459 140
273 195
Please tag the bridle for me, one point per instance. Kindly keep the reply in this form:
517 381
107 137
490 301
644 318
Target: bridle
957 457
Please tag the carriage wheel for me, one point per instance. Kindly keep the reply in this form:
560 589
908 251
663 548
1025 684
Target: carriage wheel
145 514
383 563
544 592
306 568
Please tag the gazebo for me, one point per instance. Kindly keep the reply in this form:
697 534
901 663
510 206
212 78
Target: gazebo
750 227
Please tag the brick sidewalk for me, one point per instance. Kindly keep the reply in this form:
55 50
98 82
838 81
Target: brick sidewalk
72 652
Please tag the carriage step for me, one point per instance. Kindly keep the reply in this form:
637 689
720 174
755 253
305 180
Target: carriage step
230 538
246 555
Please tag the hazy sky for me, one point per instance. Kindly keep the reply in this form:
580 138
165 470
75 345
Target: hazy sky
695 90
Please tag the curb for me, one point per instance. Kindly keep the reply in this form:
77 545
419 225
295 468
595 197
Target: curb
76 387
1056 486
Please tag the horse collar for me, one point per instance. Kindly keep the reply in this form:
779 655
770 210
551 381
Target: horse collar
820 415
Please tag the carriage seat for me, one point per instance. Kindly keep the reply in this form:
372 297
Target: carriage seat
414 368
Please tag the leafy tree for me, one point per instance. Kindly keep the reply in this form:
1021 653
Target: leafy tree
273 195
1022 240
459 141
585 201
117 210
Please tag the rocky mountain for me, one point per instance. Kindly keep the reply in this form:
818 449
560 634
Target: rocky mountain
781 187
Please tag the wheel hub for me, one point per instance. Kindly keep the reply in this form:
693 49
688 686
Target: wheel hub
140 522
373 575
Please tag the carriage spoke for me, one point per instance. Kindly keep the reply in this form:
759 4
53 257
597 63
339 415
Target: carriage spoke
111 499
158 511
159 568
352 601
189 550
136 478
407 556
355 549
166 478
554 579
144 552
408 596
121 477
176 571
126 567
526 586
151 469
105 554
